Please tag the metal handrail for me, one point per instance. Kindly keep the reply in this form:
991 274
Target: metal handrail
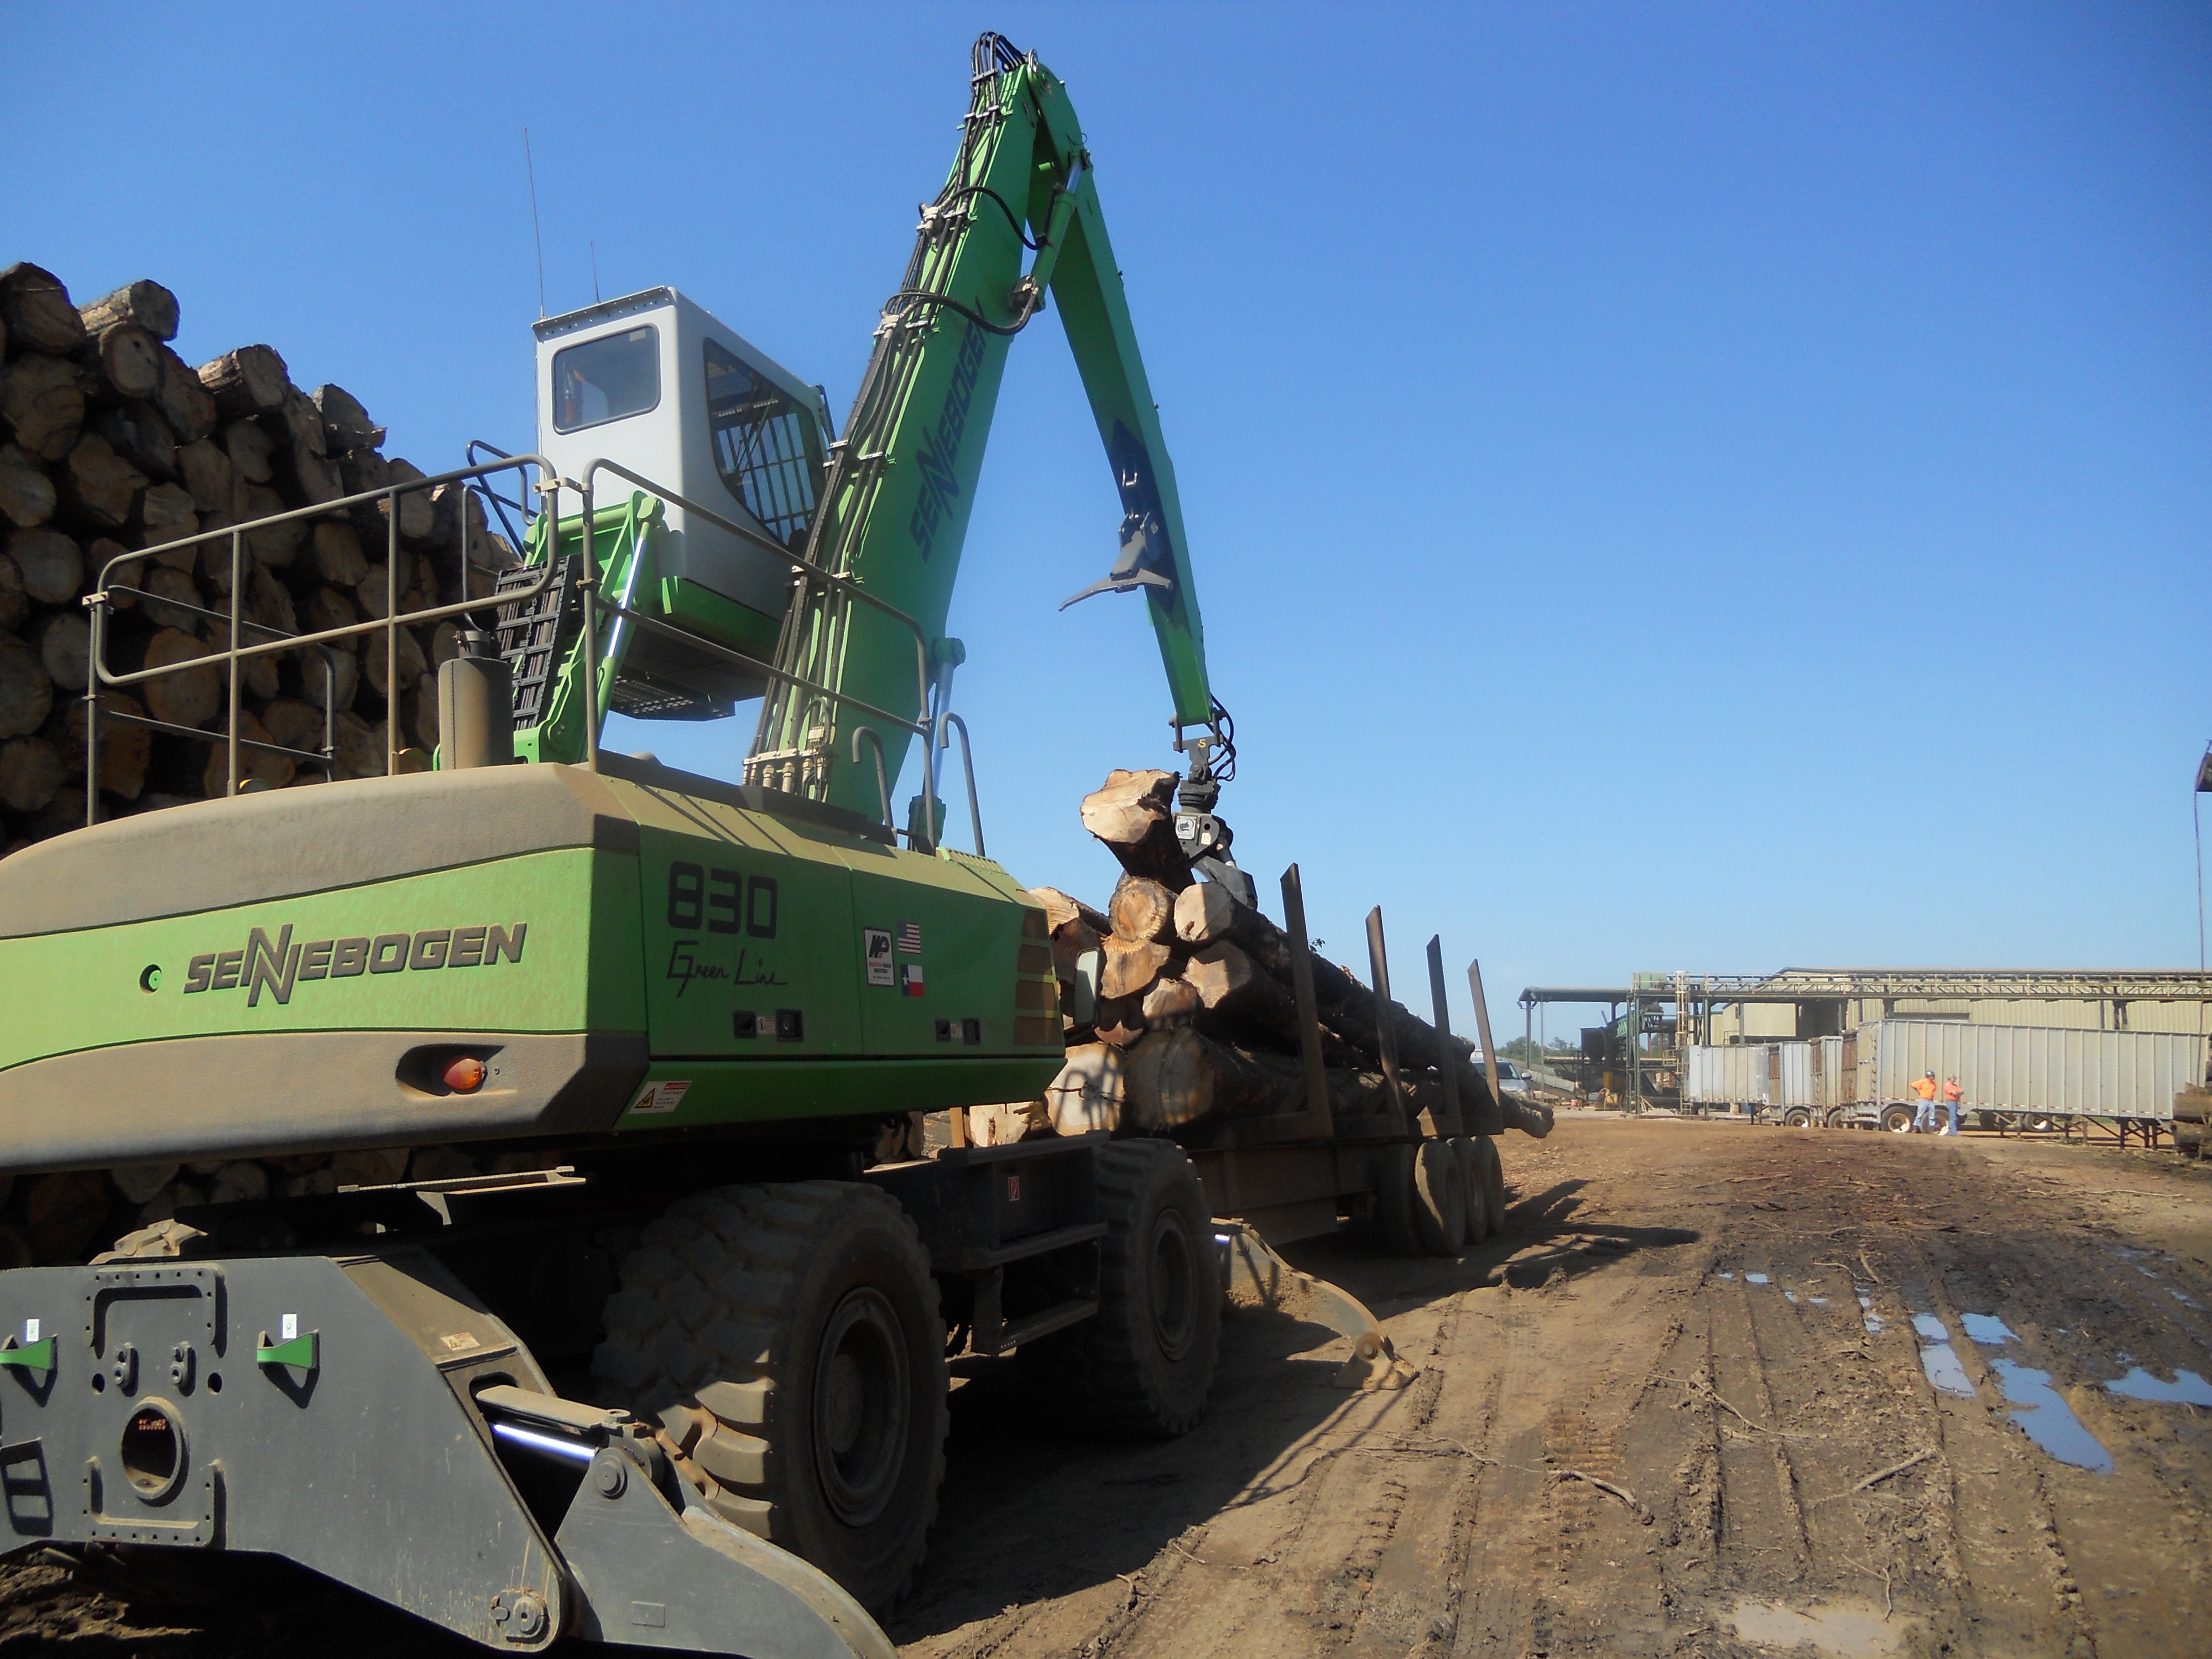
883 787
946 723
919 727
101 600
98 602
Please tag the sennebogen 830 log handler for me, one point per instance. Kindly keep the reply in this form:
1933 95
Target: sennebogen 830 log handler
677 1375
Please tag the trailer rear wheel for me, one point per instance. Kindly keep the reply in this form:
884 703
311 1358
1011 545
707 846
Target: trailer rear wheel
1440 1199
1142 1366
1797 1117
1897 1118
1480 1222
1395 1201
786 1339
1493 1180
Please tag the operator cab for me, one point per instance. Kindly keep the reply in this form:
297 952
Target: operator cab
654 383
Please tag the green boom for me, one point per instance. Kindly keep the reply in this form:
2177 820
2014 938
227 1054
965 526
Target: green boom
902 483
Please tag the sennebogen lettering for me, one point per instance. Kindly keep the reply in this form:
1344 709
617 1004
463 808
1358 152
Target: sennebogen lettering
279 966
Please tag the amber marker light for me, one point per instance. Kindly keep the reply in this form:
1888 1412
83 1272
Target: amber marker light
466 1075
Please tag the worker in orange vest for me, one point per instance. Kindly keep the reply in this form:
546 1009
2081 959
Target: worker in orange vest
1923 1115
1951 1096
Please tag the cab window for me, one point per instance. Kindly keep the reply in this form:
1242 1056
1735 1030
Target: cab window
766 447
606 379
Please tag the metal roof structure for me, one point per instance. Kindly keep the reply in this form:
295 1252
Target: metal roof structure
1816 984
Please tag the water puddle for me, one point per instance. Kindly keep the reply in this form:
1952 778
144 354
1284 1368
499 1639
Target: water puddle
1838 1632
1939 1359
2179 1297
1790 1296
1986 1330
2045 1418
1754 1279
1818 1301
2187 1388
1875 1324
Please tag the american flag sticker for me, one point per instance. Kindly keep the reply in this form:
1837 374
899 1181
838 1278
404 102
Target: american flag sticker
909 938
910 978
660 1098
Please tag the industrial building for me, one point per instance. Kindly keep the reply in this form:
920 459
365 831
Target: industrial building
1635 1054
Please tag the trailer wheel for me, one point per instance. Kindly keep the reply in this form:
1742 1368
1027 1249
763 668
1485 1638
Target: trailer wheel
1897 1118
1395 1202
1480 1222
1797 1117
786 1339
1493 1180
1440 1199
1142 1366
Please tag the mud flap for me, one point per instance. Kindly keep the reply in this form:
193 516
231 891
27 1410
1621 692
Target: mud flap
652 1578
1374 1365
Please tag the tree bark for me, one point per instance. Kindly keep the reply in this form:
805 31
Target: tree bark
1091 1092
333 555
346 424
1240 996
191 697
52 565
165 514
36 309
98 486
137 433
42 401
27 690
1060 908
130 362
124 749
250 380
14 604
27 495
1142 910
1170 1002
209 477
30 775
185 404
1130 967
250 448
1205 914
1133 813
1119 1020
65 648
147 304
1170 1079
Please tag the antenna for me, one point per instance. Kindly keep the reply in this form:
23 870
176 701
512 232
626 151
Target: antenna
594 246
536 235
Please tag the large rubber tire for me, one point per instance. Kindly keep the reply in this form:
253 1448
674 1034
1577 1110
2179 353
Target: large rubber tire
1439 1199
1395 1202
1897 1119
1797 1117
1142 1366
786 1339
1493 1180
1481 1223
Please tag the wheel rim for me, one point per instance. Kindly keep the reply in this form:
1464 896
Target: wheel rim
1174 1287
861 1407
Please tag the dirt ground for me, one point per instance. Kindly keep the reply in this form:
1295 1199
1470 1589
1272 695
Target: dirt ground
1678 1408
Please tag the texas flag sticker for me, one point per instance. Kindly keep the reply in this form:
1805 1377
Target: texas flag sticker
910 978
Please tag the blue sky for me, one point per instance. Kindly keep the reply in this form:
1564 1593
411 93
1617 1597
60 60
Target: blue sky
1703 486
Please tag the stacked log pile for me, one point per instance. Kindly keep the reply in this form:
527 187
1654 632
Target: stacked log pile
1195 1020
110 442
